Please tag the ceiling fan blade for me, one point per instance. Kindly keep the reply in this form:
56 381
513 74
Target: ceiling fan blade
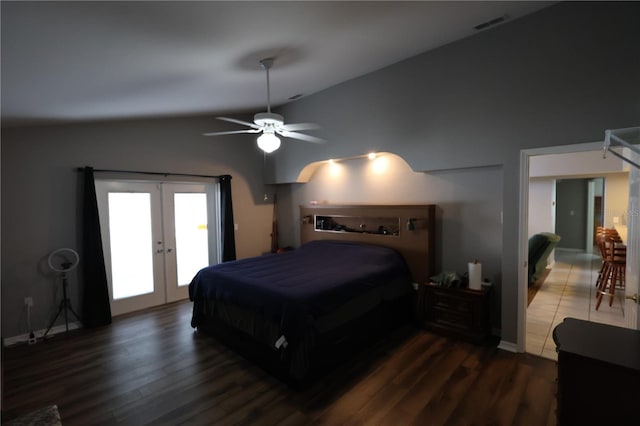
301 136
244 123
293 127
232 132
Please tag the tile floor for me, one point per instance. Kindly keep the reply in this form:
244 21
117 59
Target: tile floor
568 291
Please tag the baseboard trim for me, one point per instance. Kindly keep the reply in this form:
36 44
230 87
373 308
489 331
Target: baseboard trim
24 338
508 346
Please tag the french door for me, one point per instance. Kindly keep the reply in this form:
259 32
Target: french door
156 236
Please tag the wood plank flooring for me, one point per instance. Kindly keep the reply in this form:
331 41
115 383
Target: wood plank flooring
152 368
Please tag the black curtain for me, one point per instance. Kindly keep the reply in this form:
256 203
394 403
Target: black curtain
96 310
226 211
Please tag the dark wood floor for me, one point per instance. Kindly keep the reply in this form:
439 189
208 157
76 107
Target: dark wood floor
152 368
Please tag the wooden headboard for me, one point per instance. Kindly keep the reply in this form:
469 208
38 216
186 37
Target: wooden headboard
409 229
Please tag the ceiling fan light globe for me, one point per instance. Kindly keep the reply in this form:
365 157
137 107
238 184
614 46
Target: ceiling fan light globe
268 142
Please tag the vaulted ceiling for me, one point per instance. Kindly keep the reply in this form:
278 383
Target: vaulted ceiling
83 61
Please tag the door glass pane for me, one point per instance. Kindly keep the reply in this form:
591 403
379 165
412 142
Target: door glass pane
131 239
192 247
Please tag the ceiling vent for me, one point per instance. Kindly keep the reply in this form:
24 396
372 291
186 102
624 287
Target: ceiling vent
491 23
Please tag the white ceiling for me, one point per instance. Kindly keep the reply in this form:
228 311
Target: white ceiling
78 61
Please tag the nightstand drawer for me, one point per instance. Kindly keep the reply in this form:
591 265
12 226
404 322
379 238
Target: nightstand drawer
458 312
451 318
451 302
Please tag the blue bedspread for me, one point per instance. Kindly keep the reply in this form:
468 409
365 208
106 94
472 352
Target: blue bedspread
298 286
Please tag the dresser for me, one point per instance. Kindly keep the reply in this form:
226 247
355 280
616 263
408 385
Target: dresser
598 373
456 312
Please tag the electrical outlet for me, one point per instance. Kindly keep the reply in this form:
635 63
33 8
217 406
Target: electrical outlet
28 301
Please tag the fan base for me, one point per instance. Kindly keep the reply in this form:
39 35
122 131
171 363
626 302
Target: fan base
266 118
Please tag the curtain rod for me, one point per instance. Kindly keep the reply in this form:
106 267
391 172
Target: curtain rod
81 169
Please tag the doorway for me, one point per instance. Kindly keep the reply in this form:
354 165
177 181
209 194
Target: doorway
572 213
156 236
578 153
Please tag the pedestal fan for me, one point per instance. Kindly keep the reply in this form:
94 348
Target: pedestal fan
62 261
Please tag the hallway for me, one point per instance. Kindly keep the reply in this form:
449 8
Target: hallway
568 291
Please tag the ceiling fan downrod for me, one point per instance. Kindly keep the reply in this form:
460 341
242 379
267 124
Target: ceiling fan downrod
267 63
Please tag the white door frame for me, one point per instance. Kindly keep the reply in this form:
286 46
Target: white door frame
632 276
590 212
157 295
166 287
179 290
523 226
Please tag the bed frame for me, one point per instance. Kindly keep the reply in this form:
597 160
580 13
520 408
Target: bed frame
409 229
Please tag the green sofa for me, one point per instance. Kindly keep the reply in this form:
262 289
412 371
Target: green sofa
540 247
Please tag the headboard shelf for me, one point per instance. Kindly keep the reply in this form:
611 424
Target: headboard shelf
409 229
387 226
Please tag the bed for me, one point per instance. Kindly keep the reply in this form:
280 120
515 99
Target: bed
296 312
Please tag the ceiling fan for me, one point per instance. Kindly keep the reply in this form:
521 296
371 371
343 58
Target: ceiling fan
270 124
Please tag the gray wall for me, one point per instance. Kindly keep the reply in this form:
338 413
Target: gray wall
560 76
571 213
468 205
40 200
557 77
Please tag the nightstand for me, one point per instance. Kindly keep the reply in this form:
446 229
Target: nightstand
457 312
